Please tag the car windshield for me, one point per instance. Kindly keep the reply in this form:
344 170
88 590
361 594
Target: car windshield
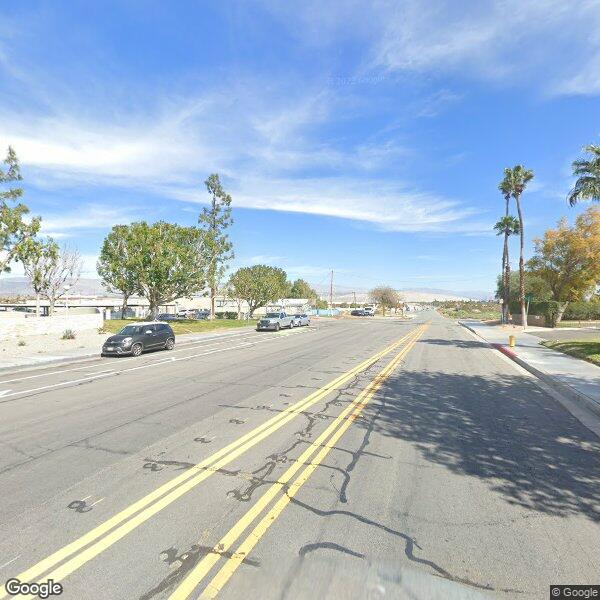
272 315
130 330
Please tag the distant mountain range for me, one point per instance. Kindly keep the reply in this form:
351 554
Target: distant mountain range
19 286
410 295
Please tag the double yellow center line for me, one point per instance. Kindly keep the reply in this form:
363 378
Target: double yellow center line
282 489
74 555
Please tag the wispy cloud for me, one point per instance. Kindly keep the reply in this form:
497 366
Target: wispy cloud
264 163
389 206
502 40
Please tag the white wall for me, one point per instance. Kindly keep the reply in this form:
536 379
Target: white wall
14 324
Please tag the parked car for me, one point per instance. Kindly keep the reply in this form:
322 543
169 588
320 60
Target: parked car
275 321
187 313
167 317
369 311
301 319
136 338
202 314
359 312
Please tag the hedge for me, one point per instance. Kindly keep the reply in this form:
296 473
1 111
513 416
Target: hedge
576 311
583 311
547 309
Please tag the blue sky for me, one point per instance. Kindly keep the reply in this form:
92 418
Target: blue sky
364 137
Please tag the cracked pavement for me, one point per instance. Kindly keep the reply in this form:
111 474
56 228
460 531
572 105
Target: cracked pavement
461 476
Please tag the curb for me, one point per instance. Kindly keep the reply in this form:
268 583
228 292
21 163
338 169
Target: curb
549 380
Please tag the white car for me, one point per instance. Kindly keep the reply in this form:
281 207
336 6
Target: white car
369 311
301 319
275 321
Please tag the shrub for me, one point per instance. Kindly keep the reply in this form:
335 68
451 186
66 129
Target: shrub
547 309
582 311
21 343
227 315
68 334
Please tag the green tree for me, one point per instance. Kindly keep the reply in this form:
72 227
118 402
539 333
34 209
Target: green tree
115 264
215 220
515 181
166 261
506 226
258 285
14 229
534 285
568 258
302 289
40 259
386 297
587 186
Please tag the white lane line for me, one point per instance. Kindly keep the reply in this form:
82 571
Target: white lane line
106 374
95 376
10 561
3 392
97 502
86 497
189 346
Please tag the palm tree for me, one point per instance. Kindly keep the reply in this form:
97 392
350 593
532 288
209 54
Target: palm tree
505 190
587 186
506 226
516 180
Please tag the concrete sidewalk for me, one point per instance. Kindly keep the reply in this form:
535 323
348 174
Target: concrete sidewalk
578 379
15 363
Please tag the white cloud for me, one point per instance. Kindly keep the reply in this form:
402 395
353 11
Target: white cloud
389 206
508 40
88 216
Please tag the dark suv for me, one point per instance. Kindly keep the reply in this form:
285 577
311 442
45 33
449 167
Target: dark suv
135 338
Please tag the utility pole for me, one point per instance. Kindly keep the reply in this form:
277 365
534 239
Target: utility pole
331 291
354 294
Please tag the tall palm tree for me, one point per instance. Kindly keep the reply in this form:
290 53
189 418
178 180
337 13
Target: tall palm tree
505 190
506 226
587 186
516 179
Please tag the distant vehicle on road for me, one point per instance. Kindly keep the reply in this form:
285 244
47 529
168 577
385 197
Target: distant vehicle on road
275 321
137 338
167 317
359 312
301 319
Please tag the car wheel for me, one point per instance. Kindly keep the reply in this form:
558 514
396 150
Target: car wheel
136 350
276 326
292 324
170 344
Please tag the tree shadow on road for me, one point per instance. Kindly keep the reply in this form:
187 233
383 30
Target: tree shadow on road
504 430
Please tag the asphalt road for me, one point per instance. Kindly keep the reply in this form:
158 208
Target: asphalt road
352 459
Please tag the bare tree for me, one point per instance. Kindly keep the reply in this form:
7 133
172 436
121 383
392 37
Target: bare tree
385 296
65 271
39 260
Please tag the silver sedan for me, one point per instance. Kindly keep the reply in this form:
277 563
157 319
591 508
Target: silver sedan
301 319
